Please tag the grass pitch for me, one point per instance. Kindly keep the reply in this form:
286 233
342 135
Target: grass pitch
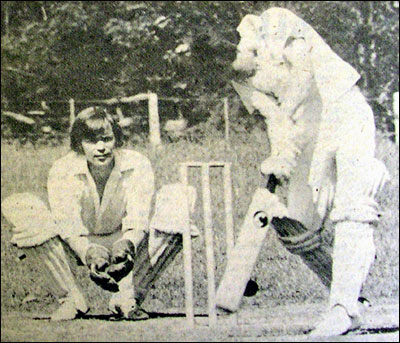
282 277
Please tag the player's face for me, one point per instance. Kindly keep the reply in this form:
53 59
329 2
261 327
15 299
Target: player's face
246 55
282 70
99 149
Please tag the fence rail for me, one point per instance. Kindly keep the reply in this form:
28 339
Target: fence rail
153 117
153 113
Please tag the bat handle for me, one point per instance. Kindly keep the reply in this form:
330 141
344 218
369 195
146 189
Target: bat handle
271 181
260 218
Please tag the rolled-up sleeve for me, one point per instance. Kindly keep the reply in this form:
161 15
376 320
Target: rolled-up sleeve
64 197
139 193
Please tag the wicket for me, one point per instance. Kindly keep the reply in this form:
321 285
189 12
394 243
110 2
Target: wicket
208 234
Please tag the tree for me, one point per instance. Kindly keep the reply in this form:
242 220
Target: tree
92 49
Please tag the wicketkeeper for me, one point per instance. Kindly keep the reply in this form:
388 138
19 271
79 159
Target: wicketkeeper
100 200
322 148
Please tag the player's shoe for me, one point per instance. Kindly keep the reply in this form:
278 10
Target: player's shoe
136 313
334 323
127 309
72 307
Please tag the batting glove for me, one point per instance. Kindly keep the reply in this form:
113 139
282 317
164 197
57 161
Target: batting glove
122 258
98 260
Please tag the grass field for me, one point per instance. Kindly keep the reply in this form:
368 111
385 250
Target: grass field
282 277
286 323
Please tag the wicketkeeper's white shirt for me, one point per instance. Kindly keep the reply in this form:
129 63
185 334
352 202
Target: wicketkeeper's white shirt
75 202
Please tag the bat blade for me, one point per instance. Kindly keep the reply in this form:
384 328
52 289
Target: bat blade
240 265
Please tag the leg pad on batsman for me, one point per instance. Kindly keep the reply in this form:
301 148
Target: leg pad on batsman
264 212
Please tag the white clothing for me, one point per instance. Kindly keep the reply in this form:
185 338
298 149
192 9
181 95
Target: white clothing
318 141
75 203
322 137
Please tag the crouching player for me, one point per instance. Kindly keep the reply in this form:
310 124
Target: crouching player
100 200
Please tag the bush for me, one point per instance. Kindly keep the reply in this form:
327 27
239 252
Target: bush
97 50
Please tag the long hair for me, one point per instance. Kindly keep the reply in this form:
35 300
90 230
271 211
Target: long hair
90 123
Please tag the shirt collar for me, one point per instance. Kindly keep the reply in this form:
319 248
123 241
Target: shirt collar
123 162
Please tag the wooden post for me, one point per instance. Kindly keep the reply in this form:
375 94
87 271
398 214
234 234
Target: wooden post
187 253
230 237
19 117
44 14
226 119
119 114
154 121
71 112
396 116
208 235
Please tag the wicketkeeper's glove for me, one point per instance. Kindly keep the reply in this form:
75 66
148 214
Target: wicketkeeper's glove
122 259
98 260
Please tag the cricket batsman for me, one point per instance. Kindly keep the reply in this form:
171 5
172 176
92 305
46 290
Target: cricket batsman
100 198
322 141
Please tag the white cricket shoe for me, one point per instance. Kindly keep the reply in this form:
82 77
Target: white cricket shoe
334 323
126 308
71 307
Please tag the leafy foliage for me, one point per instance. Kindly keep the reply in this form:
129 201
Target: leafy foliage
55 50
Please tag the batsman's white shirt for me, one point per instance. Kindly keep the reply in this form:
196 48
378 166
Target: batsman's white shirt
75 203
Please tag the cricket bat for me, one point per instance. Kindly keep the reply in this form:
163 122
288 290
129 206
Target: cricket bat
243 257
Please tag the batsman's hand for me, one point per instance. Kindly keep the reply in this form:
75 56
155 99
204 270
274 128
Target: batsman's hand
122 259
98 260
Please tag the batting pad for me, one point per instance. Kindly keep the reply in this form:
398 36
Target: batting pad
32 220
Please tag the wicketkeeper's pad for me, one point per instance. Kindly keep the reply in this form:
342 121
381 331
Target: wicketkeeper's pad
169 216
31 218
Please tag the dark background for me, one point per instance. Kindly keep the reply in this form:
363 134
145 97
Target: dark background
53 51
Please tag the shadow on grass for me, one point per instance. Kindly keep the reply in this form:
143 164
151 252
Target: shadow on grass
377 330
152 315
366 331
112 317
